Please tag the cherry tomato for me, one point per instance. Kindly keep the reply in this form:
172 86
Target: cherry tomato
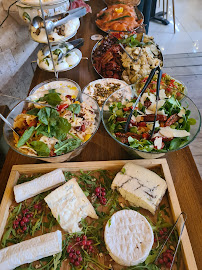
163 75
145 136
126 109
62 107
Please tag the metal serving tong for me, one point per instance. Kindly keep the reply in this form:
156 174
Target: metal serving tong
50 25
76 43
151 75
178 242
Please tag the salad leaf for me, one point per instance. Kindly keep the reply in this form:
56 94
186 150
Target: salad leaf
33 111
175 144
67 146
52 98
171 106
25 137
141 145
61 129
133 42
41 148
44 115
43 130
75 108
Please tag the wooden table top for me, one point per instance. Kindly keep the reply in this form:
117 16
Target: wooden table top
185 175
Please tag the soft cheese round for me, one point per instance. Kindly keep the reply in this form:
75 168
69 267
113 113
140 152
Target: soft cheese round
128 237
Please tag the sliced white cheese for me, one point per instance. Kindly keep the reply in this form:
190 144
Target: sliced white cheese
128 237
182 112
140 186
152 107
69 205
158 142
38 185
30 250
171 132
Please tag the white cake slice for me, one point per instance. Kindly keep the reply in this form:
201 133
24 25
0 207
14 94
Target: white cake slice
30 250
69 205
38 185
140 186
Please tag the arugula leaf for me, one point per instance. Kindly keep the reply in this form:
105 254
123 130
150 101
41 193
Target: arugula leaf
33 111
41 148
75 108
67 146
61 128
52 91
52 98
25 137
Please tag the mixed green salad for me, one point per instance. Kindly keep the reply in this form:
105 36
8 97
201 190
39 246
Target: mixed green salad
172 127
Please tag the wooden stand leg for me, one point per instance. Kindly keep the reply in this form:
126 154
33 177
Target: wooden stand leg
163 7
174 14
166 9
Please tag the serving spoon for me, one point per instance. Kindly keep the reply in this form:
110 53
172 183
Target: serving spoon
50 25
76 43
8 123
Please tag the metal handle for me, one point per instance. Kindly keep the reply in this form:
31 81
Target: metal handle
77 14
151 75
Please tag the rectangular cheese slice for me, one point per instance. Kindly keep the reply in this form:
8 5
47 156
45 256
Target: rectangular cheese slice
140 186
69 205
30 250
38 185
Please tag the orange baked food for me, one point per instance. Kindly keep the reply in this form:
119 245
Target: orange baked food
118 17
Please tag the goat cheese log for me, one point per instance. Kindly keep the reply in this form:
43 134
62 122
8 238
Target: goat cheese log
140 186
38 185
30 250
69 205
128 237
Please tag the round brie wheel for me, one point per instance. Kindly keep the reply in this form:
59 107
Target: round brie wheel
128 237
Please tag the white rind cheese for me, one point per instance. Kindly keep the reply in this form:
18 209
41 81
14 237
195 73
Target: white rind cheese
128 237
140 186
38 185
69 205
31 250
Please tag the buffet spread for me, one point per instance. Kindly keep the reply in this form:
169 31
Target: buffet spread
98 215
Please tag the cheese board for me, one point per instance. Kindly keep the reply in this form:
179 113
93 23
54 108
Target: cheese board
159 166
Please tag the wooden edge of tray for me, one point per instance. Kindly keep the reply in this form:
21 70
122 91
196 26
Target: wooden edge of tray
16 170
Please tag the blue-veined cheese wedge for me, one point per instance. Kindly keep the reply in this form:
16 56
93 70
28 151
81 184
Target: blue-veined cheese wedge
128 237
140 186
69 205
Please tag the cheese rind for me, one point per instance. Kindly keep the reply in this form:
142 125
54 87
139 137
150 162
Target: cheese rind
31 250
38 185
69 205
128 237
140 186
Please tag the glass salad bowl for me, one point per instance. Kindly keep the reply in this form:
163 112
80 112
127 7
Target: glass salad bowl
61 153
171 132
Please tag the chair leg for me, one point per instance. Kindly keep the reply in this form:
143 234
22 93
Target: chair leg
159 3
163 8
166 9
174 14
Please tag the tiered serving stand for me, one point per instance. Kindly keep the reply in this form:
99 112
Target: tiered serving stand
28 10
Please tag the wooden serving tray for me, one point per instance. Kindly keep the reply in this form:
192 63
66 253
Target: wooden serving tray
17 170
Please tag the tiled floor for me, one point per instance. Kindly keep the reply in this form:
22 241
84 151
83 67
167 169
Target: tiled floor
188 36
